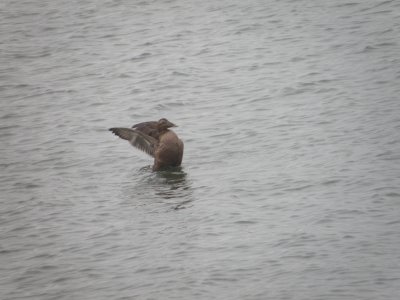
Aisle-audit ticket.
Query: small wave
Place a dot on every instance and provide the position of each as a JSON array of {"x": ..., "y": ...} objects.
[
  {"x": 9, "y": 127},
  {"x": 245, "y": 222},
  {"x": 297, "y": 59},
  {"x": 124, "y": 75},
  {"x": 347, "y": 4},
  {"x": 176, "y": 73},
  {"x": 393, "y": 195},
  {"x": 26, "y": 185},
  {"x": 10, "y": 116},
  {"x": 300, "y": 188},
  {"x": 290, "y": 91},
  {"x": 330, "y": 182},
  {"x": 387, "y": 44},
  {"x": 141, "y": 56},
  {"x": 393, "y": 222}
]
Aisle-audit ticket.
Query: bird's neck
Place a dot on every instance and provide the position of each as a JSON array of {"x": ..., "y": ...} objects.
[{"x": 163, "y": 130}]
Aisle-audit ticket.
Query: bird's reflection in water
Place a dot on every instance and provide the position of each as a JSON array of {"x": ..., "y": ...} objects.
[
  {"x": 175, "y": 186},
  {"x": 170, "y": 184}
]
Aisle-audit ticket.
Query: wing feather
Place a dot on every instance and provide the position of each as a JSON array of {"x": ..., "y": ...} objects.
[
  {"x": 150, "y": 128},
  {"x": 137, "y": 139}
]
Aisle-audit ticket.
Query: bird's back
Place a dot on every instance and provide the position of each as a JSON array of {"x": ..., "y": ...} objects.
[{"x": 150, "y": 128}]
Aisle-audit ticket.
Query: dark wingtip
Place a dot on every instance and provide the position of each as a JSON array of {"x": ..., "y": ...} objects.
[{"x": 114, "y": 131}]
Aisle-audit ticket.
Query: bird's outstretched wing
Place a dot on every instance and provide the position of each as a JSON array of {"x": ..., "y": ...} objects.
[{"x": 137, "y": 139}]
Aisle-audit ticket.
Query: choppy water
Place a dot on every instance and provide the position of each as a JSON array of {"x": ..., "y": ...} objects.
[{"x": 290, "y": 114}]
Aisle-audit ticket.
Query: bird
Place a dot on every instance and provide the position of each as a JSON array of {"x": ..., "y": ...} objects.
[{"x": 156, "y": 139}]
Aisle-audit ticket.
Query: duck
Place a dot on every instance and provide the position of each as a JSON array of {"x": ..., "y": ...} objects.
[{"x": 156, "y": 139}]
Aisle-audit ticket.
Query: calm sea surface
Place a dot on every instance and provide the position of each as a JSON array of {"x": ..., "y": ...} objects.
[{"x": 290, "y": 184}]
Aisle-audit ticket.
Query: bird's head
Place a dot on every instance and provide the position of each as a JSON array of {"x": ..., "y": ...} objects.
[{"x": 164, "y": 124}]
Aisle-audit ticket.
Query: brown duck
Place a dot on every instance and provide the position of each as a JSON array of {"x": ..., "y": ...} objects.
[{"x": 157, "y": 140}]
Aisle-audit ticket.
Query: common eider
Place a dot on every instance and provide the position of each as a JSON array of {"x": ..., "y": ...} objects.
[{"x": 157, "y": 140}]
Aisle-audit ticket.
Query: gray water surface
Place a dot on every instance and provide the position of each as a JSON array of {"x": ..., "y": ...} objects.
[{"x": 290, "y": 184}]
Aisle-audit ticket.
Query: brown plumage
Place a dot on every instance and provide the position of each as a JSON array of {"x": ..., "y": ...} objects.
[{"x": 157, "y": 140}]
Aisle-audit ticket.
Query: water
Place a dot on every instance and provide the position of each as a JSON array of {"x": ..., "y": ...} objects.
[{"x": 290, "y": 115}]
